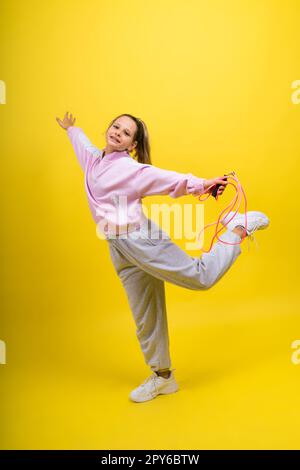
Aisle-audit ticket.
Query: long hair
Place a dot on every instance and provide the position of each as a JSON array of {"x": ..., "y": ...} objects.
[{"x": 142, "y": 149}]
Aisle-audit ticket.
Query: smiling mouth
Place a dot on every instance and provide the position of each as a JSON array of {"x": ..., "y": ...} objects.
[{"x": 115, "y": 140}]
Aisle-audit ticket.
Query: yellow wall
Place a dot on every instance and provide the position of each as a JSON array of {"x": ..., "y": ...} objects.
[{"x": 213, "y": 82}]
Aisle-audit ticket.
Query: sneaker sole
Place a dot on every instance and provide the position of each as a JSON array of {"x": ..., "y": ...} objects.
[{"x": 149, "y": 399}]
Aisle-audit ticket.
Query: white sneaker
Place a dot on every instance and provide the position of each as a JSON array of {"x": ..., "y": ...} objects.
[
  {"x": 255, "y": 221},
  {"x": 153, "y": 386}
]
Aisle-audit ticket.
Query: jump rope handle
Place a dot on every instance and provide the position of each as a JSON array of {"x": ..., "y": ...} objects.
[{"x": 215, "y": 190}]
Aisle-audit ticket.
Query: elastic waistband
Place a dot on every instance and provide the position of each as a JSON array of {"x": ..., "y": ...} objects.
[{"x": 111, "y": 230}]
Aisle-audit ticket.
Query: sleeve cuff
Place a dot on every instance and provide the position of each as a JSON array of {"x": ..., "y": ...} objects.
[{"x": 195, "y": 186}]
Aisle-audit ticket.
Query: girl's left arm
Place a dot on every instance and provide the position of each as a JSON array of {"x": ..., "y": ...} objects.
[{"x": 151, "y": 180}]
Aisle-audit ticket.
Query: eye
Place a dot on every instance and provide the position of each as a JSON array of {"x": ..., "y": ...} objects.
[{"x": 117, "y": 128}]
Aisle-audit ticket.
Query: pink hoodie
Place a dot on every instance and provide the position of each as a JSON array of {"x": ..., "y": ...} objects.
[{"x": 117, "y": 177}]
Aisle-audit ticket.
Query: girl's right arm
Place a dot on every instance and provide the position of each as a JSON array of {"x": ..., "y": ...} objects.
[{"x": 84, "y": 149}]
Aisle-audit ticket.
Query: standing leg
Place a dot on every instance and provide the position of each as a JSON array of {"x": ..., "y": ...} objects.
[{"x": 146, "y": 296}]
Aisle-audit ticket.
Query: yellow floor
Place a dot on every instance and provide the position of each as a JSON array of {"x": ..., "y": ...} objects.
[{"x": 238, "y": 385}]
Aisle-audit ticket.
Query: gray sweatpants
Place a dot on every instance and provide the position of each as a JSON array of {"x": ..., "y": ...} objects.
[{"x": 143, "y": 260}]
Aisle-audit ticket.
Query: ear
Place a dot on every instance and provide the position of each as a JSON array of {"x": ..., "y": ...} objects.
[{"x": 133, "y": 146}]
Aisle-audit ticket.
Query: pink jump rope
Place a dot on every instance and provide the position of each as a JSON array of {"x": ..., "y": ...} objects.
[{"x": 239, "y": 194}]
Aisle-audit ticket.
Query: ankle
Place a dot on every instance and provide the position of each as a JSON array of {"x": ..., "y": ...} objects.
[
  {"x": 240, "y": 230},
  {"x": 163, "y": 373}
]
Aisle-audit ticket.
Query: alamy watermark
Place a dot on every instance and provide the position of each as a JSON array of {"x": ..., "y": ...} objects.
[
  {"x": 2, "y": 352},
  {"x": 188, "y": 221},
  {"x": 296, "y": 94},
  {"x": 296, "y": 354},
  {"x": 2, "y": 92}
]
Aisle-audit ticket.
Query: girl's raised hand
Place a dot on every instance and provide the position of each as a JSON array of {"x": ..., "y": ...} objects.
[{"x": 67, "y": 121}]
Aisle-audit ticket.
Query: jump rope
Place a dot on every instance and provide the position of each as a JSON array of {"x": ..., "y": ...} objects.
[{"x": 237, "y": 199}]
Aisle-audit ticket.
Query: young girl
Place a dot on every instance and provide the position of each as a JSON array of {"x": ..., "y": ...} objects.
[{"x": 143, "y": 254}]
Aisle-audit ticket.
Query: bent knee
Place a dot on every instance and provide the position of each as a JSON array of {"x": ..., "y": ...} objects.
[{"x": 205, "y": 284}]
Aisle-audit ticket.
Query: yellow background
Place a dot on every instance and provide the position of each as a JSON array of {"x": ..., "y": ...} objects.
[{"x": 212, "y": 81}]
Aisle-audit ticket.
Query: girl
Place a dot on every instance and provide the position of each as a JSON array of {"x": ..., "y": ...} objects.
[{"x": 143, "y": 254}]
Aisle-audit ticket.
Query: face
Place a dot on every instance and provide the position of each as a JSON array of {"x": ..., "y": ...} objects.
[{"x": 119, "y": 137}]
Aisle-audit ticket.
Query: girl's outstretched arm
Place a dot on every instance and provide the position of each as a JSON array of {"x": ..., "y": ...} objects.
[
  {"x": 84, "y": 149},
  {"x": 151, "y": 180}
]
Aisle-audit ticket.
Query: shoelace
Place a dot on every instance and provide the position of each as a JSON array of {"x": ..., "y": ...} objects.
[
  {"x": 149, "y": 379},
  {"x": 153, "y": 378},
  {"x": 251, "y": 238},
  {"x": 230, "y": 208}
]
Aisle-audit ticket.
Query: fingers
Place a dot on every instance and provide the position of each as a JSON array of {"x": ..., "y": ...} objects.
[
  {"x": 70, "y": 118},
  {"x": 221, "y": 189},
  {"x": 221, "y": 180}
]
